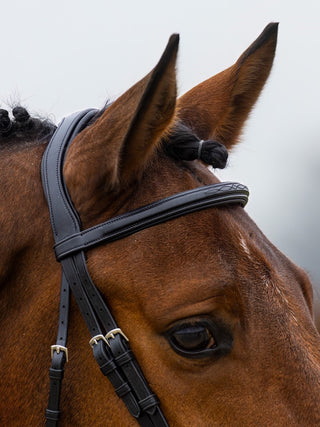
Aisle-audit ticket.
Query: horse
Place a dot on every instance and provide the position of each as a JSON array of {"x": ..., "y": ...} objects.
[{"x": 219, "y": 320}]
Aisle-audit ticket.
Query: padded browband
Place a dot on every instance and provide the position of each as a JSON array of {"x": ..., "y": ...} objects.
[{"x": 152, "y": 214}]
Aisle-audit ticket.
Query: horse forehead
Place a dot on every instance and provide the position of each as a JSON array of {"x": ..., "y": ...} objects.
[
  {"x": 187, "y": 260},
  {"x": 164, "y": 178},
  {"x": 208, "y": 259}
]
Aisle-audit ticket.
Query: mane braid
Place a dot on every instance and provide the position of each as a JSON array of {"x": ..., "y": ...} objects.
[
  {"x": 19, "y": 127},
  {"x": 180, "y": 144}
]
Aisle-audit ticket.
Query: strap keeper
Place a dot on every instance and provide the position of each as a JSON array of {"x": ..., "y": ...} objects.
[
  {"x": 52, "y": 415},
  {"x": 108, "y": 367},
  {"x": 124, "y": 358},
  {"x": 123, "y": 390},
  {"x": 149, "y": 404},
  {"x": 56, "y": 374}
]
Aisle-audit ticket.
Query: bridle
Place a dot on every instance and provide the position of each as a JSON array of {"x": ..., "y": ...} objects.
[{"x": 110, "y": 345}]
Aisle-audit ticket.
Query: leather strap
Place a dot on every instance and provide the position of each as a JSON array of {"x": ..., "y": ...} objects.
[
  {"x": 152, "y": 214},
  {"x": 59, "y": 357},
  {"x": 110, "y": 346},
  {"x": 121, "y": 368},
  {"x": 59, "y": 351}
]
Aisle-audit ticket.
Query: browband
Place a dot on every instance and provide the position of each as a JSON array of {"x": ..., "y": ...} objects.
[
  {"x": 152, "y": 214},
  {"x": 110, "y": 345}
]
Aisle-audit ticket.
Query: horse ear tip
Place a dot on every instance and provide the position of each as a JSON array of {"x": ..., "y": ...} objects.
[
  {"x": 174, "y": 39},
  {"x": 268, "y": 39},
  {"x": 271, "y": 29}
]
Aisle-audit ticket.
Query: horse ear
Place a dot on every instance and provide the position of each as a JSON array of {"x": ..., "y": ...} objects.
[
  {"x": 114, "y": 150},
  {"x": 218, "y": 107}
]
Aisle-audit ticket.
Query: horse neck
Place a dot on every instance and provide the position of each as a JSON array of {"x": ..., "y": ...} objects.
[{"x": 25, "y": 229}]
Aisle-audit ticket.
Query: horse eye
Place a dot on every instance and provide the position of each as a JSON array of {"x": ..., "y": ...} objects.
[{"x": 192, "y": 340}]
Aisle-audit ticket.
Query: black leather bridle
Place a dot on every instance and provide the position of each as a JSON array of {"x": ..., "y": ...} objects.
[{"x": 110, "y": 345}]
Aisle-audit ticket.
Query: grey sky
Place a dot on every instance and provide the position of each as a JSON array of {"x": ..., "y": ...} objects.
[{"x": 59, "y": 57}]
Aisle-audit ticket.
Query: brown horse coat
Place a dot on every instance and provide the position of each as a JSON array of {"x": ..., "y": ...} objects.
[{"x": 213, "y": 267}]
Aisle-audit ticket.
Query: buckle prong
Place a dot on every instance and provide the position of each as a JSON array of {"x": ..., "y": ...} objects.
[{"x": 59, "y": 348}]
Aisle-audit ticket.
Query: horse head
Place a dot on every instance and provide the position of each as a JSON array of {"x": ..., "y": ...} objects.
[{"x": 219, "y": 320}]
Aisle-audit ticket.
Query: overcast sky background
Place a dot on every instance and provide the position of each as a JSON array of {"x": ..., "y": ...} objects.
[{"x": 59, "y": 57}]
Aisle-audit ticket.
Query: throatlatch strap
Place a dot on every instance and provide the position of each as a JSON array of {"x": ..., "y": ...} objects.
[{"x": 110, "y": 345}]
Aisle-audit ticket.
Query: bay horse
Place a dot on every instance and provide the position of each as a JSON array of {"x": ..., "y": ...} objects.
[{"x": 219, "y": 320}]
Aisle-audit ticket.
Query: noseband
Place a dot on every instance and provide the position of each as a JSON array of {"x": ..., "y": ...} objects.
[{"x": 109, "y": 343}]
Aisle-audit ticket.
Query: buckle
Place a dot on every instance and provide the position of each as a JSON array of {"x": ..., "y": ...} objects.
[
  {"x": 94, "y": 340},
  {"x": 110, "y": 335},
  {"x": 113, "y": 332},
  {"x": 59, "y": 348}
]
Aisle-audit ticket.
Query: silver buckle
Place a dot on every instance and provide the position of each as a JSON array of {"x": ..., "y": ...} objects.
[
  {"x": 113, "y": 332},
  {"x": 110, "y": 335},
  {"x": 59, "y": 348},
  {"x": 94, "y": 340}
]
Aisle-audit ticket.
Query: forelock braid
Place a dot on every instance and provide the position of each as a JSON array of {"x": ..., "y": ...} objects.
[{"x": 183, "y": 144}]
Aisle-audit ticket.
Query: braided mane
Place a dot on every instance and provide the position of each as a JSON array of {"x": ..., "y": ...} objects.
[
  {"x": 19, "y": 127},
  {"x": 180, "y": 144}
]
